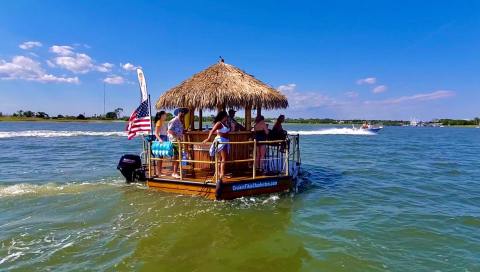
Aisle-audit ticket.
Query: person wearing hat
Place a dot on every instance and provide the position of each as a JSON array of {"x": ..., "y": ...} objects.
[
  {"x": 232, "y": 123},
  {"x": 175, "y": 135}
]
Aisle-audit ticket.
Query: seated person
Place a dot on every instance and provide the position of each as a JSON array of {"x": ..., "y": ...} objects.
[
  {"x": 232, "y": 123},
  {"x": 278, "y": 133}
]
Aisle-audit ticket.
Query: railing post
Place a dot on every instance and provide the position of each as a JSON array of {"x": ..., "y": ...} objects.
[
  {"x": 216, "y": 161},
  {"x": 287, "y": 160},
  {"x": 297, "y": 142},
  {"x": 254, "y": 158},
  {"x": 180, "y": 156},
  {"x": 149, "y": 160}
]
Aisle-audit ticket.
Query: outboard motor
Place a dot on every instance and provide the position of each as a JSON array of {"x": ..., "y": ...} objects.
[{"x": 131, "y": 168}]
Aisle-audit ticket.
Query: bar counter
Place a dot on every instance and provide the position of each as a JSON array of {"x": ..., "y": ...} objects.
[{"x": 237, "y": 152}]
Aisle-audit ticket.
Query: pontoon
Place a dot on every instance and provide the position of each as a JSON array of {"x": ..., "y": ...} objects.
[{"x": 220, "y": 87}]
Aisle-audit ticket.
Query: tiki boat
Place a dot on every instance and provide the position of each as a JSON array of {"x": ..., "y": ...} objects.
[{"x": 219, "y": 87}]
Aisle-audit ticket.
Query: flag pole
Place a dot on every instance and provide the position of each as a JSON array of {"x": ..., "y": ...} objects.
[
  {"x": 144, "y": 94},
  {"x": 150, "y": 113}
]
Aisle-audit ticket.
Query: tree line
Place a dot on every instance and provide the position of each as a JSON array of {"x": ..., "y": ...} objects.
[
  {"x": 116, "y": 114},
  {"x": 455, "y": 122}
]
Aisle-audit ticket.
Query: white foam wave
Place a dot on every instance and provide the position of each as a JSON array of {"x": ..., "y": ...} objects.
[
  {"x": 333, "y": 131},
  {"x": 52, "y": 188},
  {"x": 57, "y": 133},
  {"x": 12, "y": 257}
]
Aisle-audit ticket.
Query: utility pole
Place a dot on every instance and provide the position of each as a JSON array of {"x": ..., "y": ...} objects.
[{"x": 103, "y": 99}]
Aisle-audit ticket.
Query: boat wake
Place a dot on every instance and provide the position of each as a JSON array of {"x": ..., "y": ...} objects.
[
  {"x": 334, "y": 131},
  {"x": 47, "y": 189},
  {"x": 57, "y": 133}
]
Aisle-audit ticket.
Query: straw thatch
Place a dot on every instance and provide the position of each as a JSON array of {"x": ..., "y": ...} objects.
[{"x": 222, "y": 86}]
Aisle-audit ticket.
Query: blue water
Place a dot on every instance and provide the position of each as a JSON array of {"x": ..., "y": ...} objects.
[{"x": 405, "y": 199}]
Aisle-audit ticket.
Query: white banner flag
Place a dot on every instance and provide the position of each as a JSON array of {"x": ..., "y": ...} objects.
[{"x": 143, "y": 84}]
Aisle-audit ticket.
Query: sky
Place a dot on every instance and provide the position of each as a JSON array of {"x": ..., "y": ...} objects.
[{"x": 333, "y": 59}]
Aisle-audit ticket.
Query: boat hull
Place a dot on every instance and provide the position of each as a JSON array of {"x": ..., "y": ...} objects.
[
  {"x": 374, "y": 130},
  {"x": 225, "y": 190}
]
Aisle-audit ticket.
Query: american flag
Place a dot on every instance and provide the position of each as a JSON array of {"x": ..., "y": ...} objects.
[{"x": 139, "y": 120}]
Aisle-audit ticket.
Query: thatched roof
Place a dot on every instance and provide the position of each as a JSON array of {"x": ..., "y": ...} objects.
[{"x": 222, "y": 85}]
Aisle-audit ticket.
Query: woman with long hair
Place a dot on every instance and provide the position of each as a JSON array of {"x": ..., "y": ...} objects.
[
  {"x": 221, "y": 129},
  {"x": 161, "y": 135},
  {"x": 278, "y": 125},
  {"x": 278, "y": 133}
]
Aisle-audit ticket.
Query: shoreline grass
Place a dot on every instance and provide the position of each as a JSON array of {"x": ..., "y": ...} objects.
[{"x": 57, "y": 120}]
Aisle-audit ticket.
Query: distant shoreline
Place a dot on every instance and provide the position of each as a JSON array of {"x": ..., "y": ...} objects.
[
  {"x": 71, "y": 120},
  {"x": 59, "y": 120}
]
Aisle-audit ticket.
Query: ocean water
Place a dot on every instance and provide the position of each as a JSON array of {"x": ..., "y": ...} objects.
[{"x": 405, "y": 199}]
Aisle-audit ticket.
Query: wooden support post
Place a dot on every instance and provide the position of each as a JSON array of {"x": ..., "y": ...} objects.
[
  {"x": 259, "y": 111},
  {"x": 192, "y": 119},
  {"x": 216, "y": 161},
  {"x": 200, "y": 119},
  {"x": 248, "y": 118},
  {"x": 180, "y": 155}
]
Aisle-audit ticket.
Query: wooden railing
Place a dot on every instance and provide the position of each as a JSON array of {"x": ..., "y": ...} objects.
[{"x": 286, "y": 156}]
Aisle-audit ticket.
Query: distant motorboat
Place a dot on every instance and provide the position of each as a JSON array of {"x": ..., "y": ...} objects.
[
  {"x": 373, "y": 129},
  {"x": 369, "y": 128}
]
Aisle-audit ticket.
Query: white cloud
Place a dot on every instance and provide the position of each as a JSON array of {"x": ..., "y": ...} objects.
[
  {"x": 30, "y": 45},
  {"x": 367, "y": 80},
  {"x": 62, "y": 50},
  {"x": 128, "y": 66},
  {"x": 25, "y": 68},
  {"x": 287, "y": 88},
  {"x": 79, "y": 63},
  {"x": 303, "y": 100},
  {"x": 20, "y": 67},
  {"x": 379, "y": 89},
  {"x": 105, "y": 67},
  {"x": 51, "y": 78},
  {"x": 113, "y": 79},
  {"x": 351, "y": 94},
  {"x": 440, "y": 94},
  {"x": 349, "y": 106}
]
